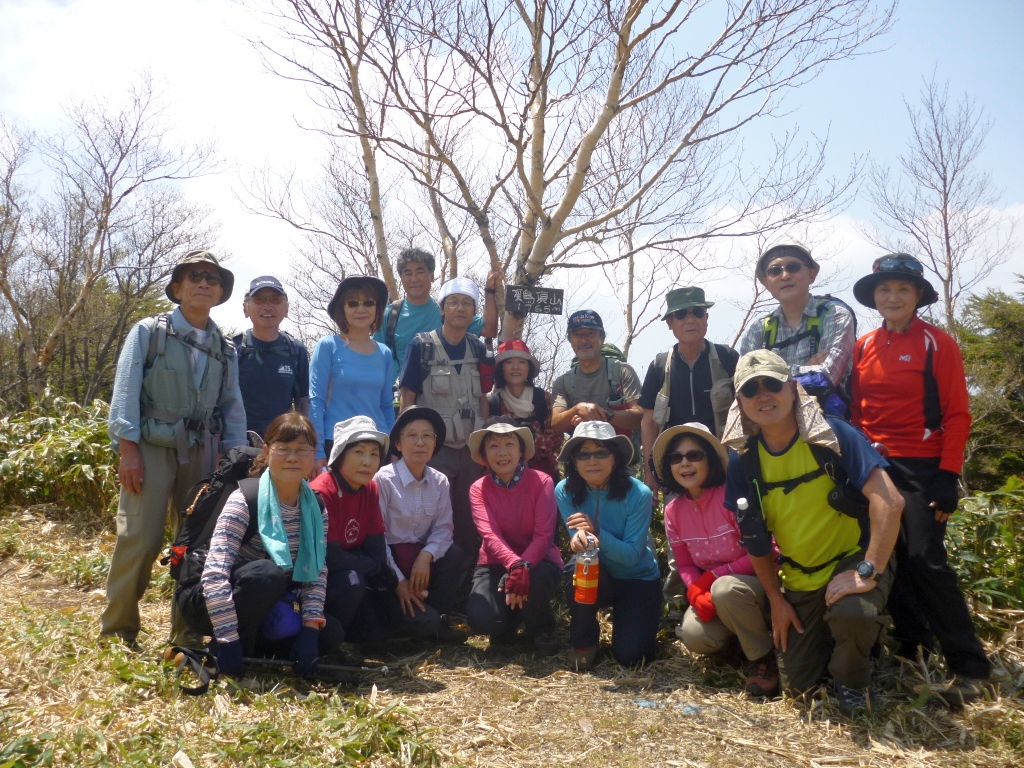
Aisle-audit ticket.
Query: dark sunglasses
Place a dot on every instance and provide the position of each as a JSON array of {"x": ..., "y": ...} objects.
[
  {"x": 211, "y": 278},
  {"x": 588, "y": 455},
  {"x": 355, "y": 304},
  {"x": 699, "y": 312},
  {"x": 691, "y": 456},
  {"x": 898, "y": 264},
  {"x": 791, "y": 268},
  {"x": 752, "y": 387}
]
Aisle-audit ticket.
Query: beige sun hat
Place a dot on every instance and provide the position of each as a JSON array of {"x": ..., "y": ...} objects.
[
  {"x": 691, "y": 428},
  {"x": 356, "y": 430},
  {"x": 601, "y": 431},
  {"x": 501, "y": 428}
]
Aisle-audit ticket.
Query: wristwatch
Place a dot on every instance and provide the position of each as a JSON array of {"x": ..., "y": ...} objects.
[
  {"x": 610, "y": 414},
  {"x": 866, "y": 569}
]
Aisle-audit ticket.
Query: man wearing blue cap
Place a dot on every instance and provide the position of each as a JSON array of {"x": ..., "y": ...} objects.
[{"x": 273, "y": 367}]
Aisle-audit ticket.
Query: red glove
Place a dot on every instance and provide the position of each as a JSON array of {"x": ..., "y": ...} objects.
[
  {"x": 704, "y": 608},
  {"x": 517, "y": 580},
  {"x": 700, "y": 586}
]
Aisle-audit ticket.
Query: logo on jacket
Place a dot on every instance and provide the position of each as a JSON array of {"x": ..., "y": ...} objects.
[{"x": 905, "y": 358}]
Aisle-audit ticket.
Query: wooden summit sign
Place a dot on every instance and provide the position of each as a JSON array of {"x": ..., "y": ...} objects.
[{"x": 525, "y": 299}]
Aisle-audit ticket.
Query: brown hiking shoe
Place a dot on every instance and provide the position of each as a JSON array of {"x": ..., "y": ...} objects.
[{"x": 763, "y": 679}]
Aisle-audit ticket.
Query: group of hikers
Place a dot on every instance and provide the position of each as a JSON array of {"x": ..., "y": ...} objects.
[{"x": 807, "y": 478}]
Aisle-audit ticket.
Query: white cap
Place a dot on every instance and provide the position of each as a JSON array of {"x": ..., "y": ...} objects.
[{"x": 460, "y": 285}]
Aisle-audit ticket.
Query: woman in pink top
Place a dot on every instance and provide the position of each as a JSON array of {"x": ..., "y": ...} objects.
[
  {"x": 519, "y": 568},
  {"x": 726, "y": 598}
]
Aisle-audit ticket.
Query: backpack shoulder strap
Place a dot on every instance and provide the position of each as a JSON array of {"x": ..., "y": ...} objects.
[
  {"x": 771, "y": 331},
  {"x": 250, "y": 488},
  {"x": 391, "y": 323},
  {"x": 540, "y": 404},
  {"x": 159, "y": 329}
]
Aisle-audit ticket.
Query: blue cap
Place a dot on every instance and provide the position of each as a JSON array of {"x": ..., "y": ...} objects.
[
  {"x": 265, "y": 281},
  {"x": 585, "y": 318}
]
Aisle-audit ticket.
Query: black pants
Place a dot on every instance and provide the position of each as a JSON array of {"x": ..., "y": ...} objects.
[
  {"x": 489, "y": 615},
  {"x": 636, "y": 615},
  {"x": 926, "y": 603},
  {"x": 256, "y": 588}
]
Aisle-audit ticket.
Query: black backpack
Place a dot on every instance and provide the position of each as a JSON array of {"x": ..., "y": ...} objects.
[{"x": 187, "y": 555}]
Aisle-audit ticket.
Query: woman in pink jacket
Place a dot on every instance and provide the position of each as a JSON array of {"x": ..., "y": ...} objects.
[{"x": 726, "y": 598}]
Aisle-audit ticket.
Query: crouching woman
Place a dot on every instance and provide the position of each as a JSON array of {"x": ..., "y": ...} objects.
[{"x": 254, "y": 573}]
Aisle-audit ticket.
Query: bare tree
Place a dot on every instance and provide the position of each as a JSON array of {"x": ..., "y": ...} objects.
[
  {"x": 557, "y": 130},
  {"x": 940, "y": 206},
  {"x": 111, "y": 221}
]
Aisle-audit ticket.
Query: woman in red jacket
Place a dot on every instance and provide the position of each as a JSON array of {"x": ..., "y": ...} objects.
[{"x": 910, "y": 394}]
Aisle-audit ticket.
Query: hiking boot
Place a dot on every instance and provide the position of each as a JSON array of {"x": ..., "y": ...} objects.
[
  {"x": 449, "y": 635},
  {"x": 853, "y": 702},
  {"x": 545, "y": 644},
  {"x": 763, "y": 678},
  {"x": 957, "y": 692},
  {"x": 582, "y": 659}
]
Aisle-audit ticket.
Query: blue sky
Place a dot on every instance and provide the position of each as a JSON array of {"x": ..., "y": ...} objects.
[{"x": 216, "y": 89}]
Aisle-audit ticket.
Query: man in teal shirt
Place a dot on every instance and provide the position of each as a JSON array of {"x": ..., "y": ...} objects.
[{"x": 419, "y": 313}]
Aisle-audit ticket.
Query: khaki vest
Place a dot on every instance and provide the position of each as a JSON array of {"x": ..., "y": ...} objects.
[
  {"x": 722, "y": 393},
  {"x": 455, "y": 396}
]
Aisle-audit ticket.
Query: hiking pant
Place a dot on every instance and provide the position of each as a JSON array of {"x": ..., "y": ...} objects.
[
  {"x": 446, "y": 573},
  {"x": 636, "y": 615},
  {"x": 141, "y": 521},
  {"x": 926, "y": 603},
  {"x": 740, "y": 605},
  {"x": 256, "y": 587},
  {"x": 838, "y": 638},
  {"x": 489, "y": 615},
  {"x": 458, "y": 466}
]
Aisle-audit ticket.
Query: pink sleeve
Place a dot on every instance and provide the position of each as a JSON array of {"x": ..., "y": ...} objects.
[
  {"x": 488, "y": 527},
  {"x": 544, "y": 514},
  {"x": 688, "y": 572}
]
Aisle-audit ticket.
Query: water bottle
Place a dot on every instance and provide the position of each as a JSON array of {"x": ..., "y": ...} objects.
[{"x": 588, "y": 569}]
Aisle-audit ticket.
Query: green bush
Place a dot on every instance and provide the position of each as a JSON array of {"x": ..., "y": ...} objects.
[
  {"x": 58, "y": 452},
  {"x": 985, "y": 547}
]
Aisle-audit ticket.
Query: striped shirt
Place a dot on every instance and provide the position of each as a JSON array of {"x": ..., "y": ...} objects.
[{"x": 227, "y": 553}]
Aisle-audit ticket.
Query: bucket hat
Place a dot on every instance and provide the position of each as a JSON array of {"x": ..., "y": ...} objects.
[
  {"x": 684, "y": 298},
  {"x": 412, "y": 413},
  {"x": 894, "y": 266},
  {"x": 515, "y": 348},
  {"x": 356, "y": 430},
  {"x": 201, "y": 256},
  {"x": 691, "y": 428},
  {"x": 601, "y": 431},
  {"x": 373, "y": 284},
  {"x": 501, "y": 428}
]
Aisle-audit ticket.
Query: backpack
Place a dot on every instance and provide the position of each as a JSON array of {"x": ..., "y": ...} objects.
[
  {"x": 722, "y": 391},
  {"x": 474, "y": 346},
  {"x": 187, "y": 555},
  {"x": 540, "y": 406},
  {"x": 845, "y": 498},
  {"x": 391, "y": 317},
  {"x": 825, "y": 393},
  {"x": 244, "y": 345}
]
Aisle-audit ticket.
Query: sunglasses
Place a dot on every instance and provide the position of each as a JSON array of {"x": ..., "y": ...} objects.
[
  {"x": 699, "y": 312},
  {"x": 588, "y": 455},
  {"x": 356, "y": 304},
  {"x": 752, "y": 387},
  {"x": 211, "y": 278},
  {"x": 791, "y": 268},
  {"x": 691, "y": 456},
  {"x": 898, "y": 264}
]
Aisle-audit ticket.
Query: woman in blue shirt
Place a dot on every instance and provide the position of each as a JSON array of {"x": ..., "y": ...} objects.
[
  {"x": 602, "y": 505},
  {"x": 350, "y": 373}
]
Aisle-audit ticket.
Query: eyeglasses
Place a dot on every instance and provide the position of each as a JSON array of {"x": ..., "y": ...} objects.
[
  {"x": 791, "y": 268},
  {"x": 752, "y": 387},
  {"x": 211, "y": 278},
  {"x": 691, "y": 456},
  {"x": 355, "y": 304},
  {"x": 301, "y": 453},
  {"x": 898, "y": 264},
  {"x": 458, "y": 303},
  {"x": 588, "y": 455},
  {"x": 426, "y": 437},
  {"x": 271, "y": 298},
  {"x": 699, "y": 312}
]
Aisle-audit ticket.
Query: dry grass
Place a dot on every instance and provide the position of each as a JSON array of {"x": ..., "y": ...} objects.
[{"x": 105, "y": 706}]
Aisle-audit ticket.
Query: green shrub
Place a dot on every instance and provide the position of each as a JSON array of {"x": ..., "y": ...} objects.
[{"x": 58, "y": 452}]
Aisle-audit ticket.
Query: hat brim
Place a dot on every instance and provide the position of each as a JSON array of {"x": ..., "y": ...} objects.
[
  {"x": 762, "y": 374},
  {"x": 665, "y": 440},
  {"x": 375, "y": 284},
  {"x": 625, "y": 447},
  {"x": 687, "y": 305},
  {"x": 515, "y": 354},
  {"x": 361, "y": 436},
  {"x": 414, "y": 413},
  {"x": 864, "y": 289},
  {"x": 803, "y": 254},
  {"x": 227, "y": 281},
  {"x": 477, "y": 437}
]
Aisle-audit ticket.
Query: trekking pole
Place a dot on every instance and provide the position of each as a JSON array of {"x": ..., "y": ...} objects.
[{"x": 341, "y": 674}]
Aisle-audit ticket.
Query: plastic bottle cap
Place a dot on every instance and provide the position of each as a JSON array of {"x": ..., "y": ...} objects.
[{"x": 742, "y": 503}]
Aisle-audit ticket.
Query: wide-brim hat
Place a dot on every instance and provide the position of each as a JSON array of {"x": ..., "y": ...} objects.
[
  {"x": 366, "y": 282},
  {"x": 601, "y": 431},
  {"x": 515, "y": 348},
  {"x": 694, "y": 428},
  {"x": 358, "y": 429},
  {"x": 758, "y": 363},
  {"x": 894, "y": 266},
  {"x": 202, "y": 256},
  {"x": 785, "y": 247},
  {"x": 413, "y": 413},
  {"x": 684, "y": 298},
  {"x": 477, "y": 437}
]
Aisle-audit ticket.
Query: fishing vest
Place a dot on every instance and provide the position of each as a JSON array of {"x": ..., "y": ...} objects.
[
  {"x": 722, "y": 393},
  {"x": 175, "y": 412},
  {"x": 455, "y": 396}
]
